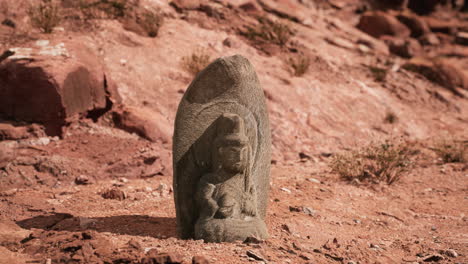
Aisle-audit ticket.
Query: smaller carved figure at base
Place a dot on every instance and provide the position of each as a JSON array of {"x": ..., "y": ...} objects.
[{"x": 226, "y": 197}]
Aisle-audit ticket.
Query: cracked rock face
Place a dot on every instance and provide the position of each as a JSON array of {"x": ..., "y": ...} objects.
[{"x": 43, "y": 86}]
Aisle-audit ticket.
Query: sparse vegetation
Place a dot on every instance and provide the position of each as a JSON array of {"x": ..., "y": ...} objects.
[
  {"x": 390, "y": 117},
  {"x": 452, "y": 150},
  {"x": 45, "y": 15},
  {"x": 379, "y": 74},
  {"x": 384, "y": 162},
  {"x": 106, "y": 9},
  {"x": 270, "y": 31},
  {"x": 196, "y": 62},
  {"x": 298, "y": 64},
  {"x": 150, "y": 22}
]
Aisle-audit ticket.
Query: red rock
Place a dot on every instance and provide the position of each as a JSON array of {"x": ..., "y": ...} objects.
[
  {"x": 143, "y": 122},
  {"x": 52, "y": 84},
  {"x": 442, "y": 72},
  {"x": 200, "y": 260},
  {"x": 376, "y": 45},
  {"x": 82, "y": 180},
  {"x": 429, "y": 39},
  {"x": 379, "y": 23},
  {"x": 290, "y": 9},
  {"x": 452, "y": 75},
  {"x": 406, "y": 48},
  {"x": 10, "y": 132},
  {"x": 442, "y": 26},
  {"x": 186, "y": 4},
  {"x": 417, "y": 25},
  {"x": 231, "y": 43},
  {"x": 152, "y": 257},
  {"x": 115, "y": 194},
  {"x": 7, "y": 154},
  {"x": 251, "y": 8}
]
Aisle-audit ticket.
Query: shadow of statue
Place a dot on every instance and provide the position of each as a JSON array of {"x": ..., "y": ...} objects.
[{"x": 135, "y": 225}]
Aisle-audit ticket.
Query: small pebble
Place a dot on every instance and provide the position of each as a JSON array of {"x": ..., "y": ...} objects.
[
  {"x": 451, "y": 253},
  {"x": 313, "y": 180}
]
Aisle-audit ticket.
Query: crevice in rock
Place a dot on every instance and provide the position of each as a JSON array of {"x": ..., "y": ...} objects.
[{"x": 96, "y": 113}]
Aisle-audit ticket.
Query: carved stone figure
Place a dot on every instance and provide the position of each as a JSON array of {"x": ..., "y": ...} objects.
[{"x": 222, "y": 154}]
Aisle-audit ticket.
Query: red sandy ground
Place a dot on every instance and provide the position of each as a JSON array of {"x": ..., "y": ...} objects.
[{"x": 337, "y": 105}]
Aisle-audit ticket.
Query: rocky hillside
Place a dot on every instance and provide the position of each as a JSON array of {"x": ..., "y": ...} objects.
[{"x": 88, "y": 95}]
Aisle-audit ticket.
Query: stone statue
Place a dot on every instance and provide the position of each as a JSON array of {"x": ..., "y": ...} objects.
[{"x": 222, "y": 154}]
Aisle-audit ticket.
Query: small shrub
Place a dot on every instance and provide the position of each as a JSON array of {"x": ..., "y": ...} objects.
[
  {"x": 270, "y": 31},
  {"x": 390, "y": 117},
  {"x": 379, "y": 74},
  {"x": 196, "y": 62},
  {"x": 451, "y": 150},
  {"x": 385, "y": 162},
  {"x": 150, "y": 22},
  {"x": 45, "y": 15},
  {"x": 111, "y": 9},
  {"x": 299, "y": 65}
]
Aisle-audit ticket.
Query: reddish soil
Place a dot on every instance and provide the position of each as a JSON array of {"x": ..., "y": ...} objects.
[{"x": 52, "y": 208}]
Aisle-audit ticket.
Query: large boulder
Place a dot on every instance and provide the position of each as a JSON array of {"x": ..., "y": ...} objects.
[
  {"x": 52, "y": 84},
  {"x": 417, "y": 25},
  {"x": 144, "y": 122},
  {"x": 442, "y": 72},
  {"x": 379, "y": 24},
  {"x": 406, "y": 48}
]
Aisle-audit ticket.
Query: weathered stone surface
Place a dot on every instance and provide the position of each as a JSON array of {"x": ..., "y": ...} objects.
[
  {"x": 289, "y": 9},
  {"x": 45, "y": 84},
  {"x": 417, "y": 25},
  {"x": 429, "y": 39},
  {"x": 10, "y": 132},
  {"x": 200, "y": 260},
  {"x": 143, "y": 122},
  {"x": 11, "y": 234},
  {"x": 440, "y": 25},
  {"x": 187, "y": 4},
  {"x": 7, "y": 154},
  {"x": 441, "y": 72},
  {"x": 114, "y": 194},
  {"x": 251, "y": 7},
  {"x": 379, "y": 23},
  {"x": 221, "y": 154},
  {"x": 153, "y": 257},
  {"x": 406, "y": 48}
]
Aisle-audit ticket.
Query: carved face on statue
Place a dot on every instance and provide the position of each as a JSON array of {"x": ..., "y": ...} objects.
[
  {"x": 231, "y": 152},
  {"x": 233, "y": 155}
]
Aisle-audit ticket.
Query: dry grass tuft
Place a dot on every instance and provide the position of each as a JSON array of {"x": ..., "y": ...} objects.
[
  {"x": 379, "y": 74},
  {"x": 384, "y": 162},
  {"x": 270, "y": 32},
  {"x": 390, "y": 118},
  {"x": 106, "y": 9},
  {"x": 150, "y": 22},
  {"x": 298, "y": 65},
  {"x": 452, "y": 150},
  {"x": 45, "y": 15},
  {"x": 196, "y": 62}
]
